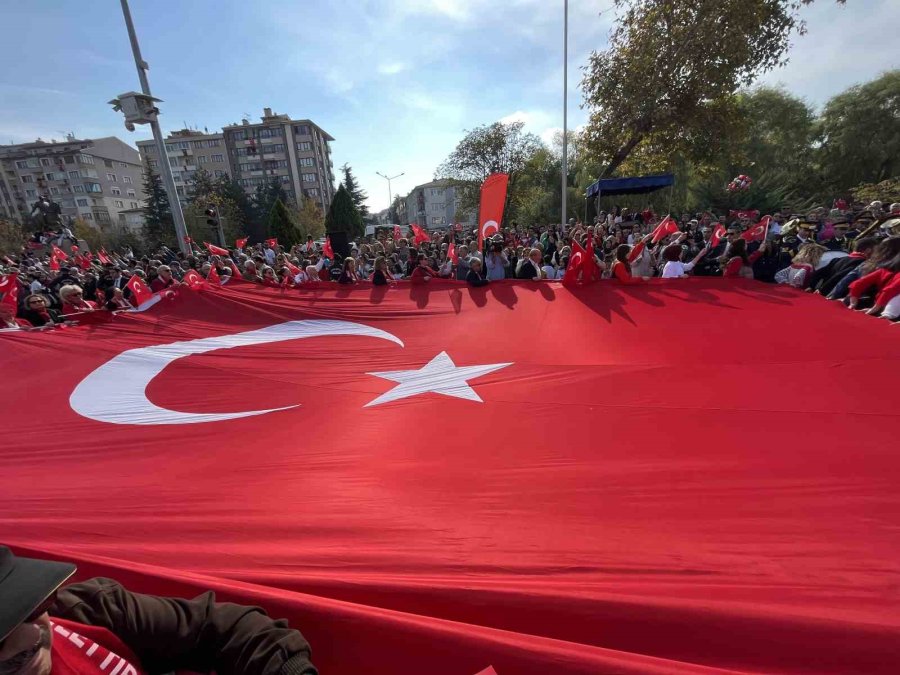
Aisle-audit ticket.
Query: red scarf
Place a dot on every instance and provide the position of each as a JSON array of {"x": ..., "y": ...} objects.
[{"x": 88, "y": 650}]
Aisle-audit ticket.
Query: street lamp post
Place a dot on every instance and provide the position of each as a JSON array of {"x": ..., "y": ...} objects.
[
  {"x": 390, "y": 194},
  {"x": 565, "y": 143},
  {"x": 168, "y": 181}
]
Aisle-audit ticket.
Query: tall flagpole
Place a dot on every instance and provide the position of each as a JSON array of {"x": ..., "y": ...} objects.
[{"x": 565, "y": 143}]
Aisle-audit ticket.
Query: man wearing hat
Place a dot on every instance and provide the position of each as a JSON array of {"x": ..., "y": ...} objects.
[
  {"x": 839, "y": 240},
  {"x": 99, "y": 627}
]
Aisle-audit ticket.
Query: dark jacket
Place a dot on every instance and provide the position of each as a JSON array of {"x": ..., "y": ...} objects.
[
  {"x": 826, "y": 278},
  {"x": 473, "y": 278},
  {"x": 36, "y": 319},
  {"x": 528, "y": 270},
  {"x": 201, "y": 635}
]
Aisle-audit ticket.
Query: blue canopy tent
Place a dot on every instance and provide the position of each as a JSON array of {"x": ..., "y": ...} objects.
[{"x": 630, "y": 186}]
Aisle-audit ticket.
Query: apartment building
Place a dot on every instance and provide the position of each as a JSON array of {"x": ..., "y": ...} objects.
[
  {"x": 91, "y": 179},
  {"x": 188, "y": 151},
  {"x": 435, "y": 205},
  {"x": 295, "y": 152}
]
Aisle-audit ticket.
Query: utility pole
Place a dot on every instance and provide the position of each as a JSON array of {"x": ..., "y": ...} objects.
[
  {"x": 565, "y": 143},
  {"x": 165, "y": 169},
  {"x": 390, "y": 194}
]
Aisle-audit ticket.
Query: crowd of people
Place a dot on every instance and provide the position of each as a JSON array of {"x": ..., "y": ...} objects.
[{"x": 847, "y": 255}]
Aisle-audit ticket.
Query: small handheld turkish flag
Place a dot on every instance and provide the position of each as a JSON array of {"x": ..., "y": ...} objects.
[
  {"x": 59, "y": 253},
  {"x": 272, "y": 243},
  {"x": 213, "y": 276},
  {"x": 216, "y": 250},
  {"x": 451, "y": 253},
  {"x": 193, "y": 280},
  {"x": 327, "y": 251},
  {"x": 292, "y": 268},
  {"x": 666, "y": 227},
  {"x": 717, "y": 235},
  {"x": 420, "y": 234},
  {"x": 241, "y": 243},
  {"x": 102, "y": 257},
  {"x": 757, "y": 232},
  {"x": 54, "y": 263},
  {"x": 140, "y": 291}
]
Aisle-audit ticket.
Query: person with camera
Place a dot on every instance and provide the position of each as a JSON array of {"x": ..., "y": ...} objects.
[{"x": 496, "y": 261}]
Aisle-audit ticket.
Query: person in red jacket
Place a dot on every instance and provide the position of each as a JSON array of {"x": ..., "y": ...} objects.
[
  {"x": 739, "y": 264},
  {"x": 625, "y": 255},
  {"x": 97, "y": 626},
  {"x": 422, "y": 273},
  {"x": 885, "y": 281},
  {"x": 73, "y": 302}
]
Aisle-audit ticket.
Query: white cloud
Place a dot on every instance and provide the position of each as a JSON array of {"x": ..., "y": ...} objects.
[{"x": 392, "y": 67}]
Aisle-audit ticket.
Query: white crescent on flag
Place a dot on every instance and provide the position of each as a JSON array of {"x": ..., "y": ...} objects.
[
  {"x": 116, "y": 392},
  {"x": 489, "y": 228}
]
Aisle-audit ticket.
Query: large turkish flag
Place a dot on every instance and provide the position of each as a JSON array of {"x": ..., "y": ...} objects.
[{"x": 442, "y": 479}]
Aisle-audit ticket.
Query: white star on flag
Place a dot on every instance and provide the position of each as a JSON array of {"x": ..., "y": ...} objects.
[{"x": 440, "y": 375}]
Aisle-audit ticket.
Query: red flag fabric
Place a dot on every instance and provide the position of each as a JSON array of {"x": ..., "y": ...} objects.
[
  {"x": 241, "y": 243},
  {"x": 717, "y": 235},
  {"x": 140, "y": 291},
  {"x": 236, "y": 273},
  {"x": 420, "y": 235},
  {"x": 758, "y": 231},
  {"x": 660, "y": 533},
  {"x": 85, "y": 261},
  {"x": 327, "y": 251},
  {"x": 193, "y": 280},
  {"x": 7, "y": 282},
  {"x": 748, "y": 214},
  {"x": 590, "y": 269},
  {"x": 54, "y": 263},
  {"x": 573, "y": 271},
  {"x": 215, "y": 250},
  {"x": 58, "y": 252},
  {"x": 272, "y": 243},
  {"x": 397, "y": 235},
  {"x": 9, "y": 289},
  {"x": 490, "y": 212},
  {"x": 451, "y": 252},
  {"x": 292, "y": 268},
  {"x": 666, "y": 227},
  {"x": 213, "y": 276},
  {"x": 102, "y": 257}
]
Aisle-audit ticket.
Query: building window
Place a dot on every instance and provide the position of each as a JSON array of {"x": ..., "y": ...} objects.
[
  {"x": 305, "y": 146},
  {"x": 276, "y": 163},
  {"x": 22, "y": 164},
  {"x": 312, "y": 192},
  {"x": 307, "y": 161},
  {"x": 103, "y": 216},
  {"x": 30, "y": 193},
  {"x": 278, "y": 147},
  {"x": 54, "y": 191},
  {"x": 78, "y": 188},
  {"x": 173, "y": 161},
  {"x": 437, "y": 192},
  {"x": 107, "y": 163},
  {"x": 28, "y": 178},
  {"x": 74, "y": 174},
  {"x": 302, "y": 130},
  {"x": 116, "y": 191},
  {"x": 111, "y": 177},
  {"x": 219, "y": 173},
  {"x": 176, "y": 175},
  {"x": 212, "y": 143},
  {"x": 86, "y": 216},
  {"x": 437, "y": 207},
  {"x": 92, "y": 187},
  {"x": 202, "y": 159},
  {"x": 123, "y": 165},
  {"x": 82, "y": 202},
  {"x": 437, "y": 220},
  {"x": 56, "y": 176},
  {"x": 218, "y": 158},
  {"x": 126, "y": 179},
  {"x": 196, "y": 144},
  {"x": 45, "y": 161},
  {"x": 119, "y": 203},
  {"x": 154, "y": 164},
  {"x": 275, "y": 132},
  {"x": 179, "y": 189},
  {"x": 309, "y": 178},
  {"x": 170, "y": 148},
  {"x": 285, "y": 180},
  {"x": 85, "y": 159},
  {"x": 134, "y": 205},
  {"x": 70, "y": 159},
  {"x": 240, "y": 135},
  {"x": 251, "y": 166},
  {"x": 131, "y": 193}
]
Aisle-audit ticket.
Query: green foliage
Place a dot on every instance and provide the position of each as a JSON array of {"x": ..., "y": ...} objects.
[
  {"x": 84, "y": 232},
  {"x": 263, "y": 200},
  {"x": 487, "y": 149},
  {"x": 159, "y": 228},
  {"x": 283, "y": 226},
  {"x": 656, "y": 82},
  {"x": 12, "y": 237},
  {"x": 358, "y": 195},
  {"x": 230, "y": 189},
  {"x": 886, "y": 192},
  {"x": 768, "y": 193},
  {"x": 394, "y": 213},
  {"x": 860, "y": 133},
  {"x": 343, "y": 215},
  {"x": 310, "y": 219},
  {"x": 200, "y": 185}
]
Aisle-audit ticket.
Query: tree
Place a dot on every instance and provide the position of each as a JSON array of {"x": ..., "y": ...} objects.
[
  {"x": 263, "y": 201},
  {"x": 343, "y": 216},
  {"x": 283, "y": 226},
  {"x": 91, "y": 235},
  {"x": 887, "y": 192},
  {"x": 357, "y": 194},
  {"x": 310, "y": 219},
  {"x": 230, "y": 189},
  {"x": 159, "y": 228},
  {"x": 487, "y": 149},
  {"x": 200, "y": 185},
  {"x": 395, "y": 210},
  {"x": 12, "y": 237},
  {"x": 860, "y": 134},
  {"x": 656, "y": 81}
]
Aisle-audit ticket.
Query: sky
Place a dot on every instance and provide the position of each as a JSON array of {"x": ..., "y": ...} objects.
[{"x": 395, "y": 82}]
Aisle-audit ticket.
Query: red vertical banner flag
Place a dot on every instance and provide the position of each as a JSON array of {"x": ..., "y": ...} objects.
[
  {"x": 490, "y": 212},
  {"x": 757, "y": 232},
  {"x": 140, "y": 291}
]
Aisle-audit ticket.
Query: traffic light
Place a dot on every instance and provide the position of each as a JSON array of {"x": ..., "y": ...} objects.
[{"x": 212, "y": 218}]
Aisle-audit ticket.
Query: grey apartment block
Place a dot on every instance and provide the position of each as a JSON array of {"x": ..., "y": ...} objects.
[
  {"x": 435, "y": 205},
  {"x": 92, "y": 179},
  {"x": 295, "y": 152},
  {"x": 188, "y": 151}
]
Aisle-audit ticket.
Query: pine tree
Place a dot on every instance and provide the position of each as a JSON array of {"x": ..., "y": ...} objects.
[
  {"x": 310, "y": 219},
  {"x": 159, "y": 227},
  {"x": 200, "y": 186},
  {"x": 357, "y": 194},
  {"x": 283, "y": 226},
  {"x": 230, "y": 189},
  {"x": 343, "y": 215},
  {"x": 263, "y": 202}
]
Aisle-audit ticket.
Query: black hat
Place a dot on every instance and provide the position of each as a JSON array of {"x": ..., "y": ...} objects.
[{"x": 24, "y": 584}]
